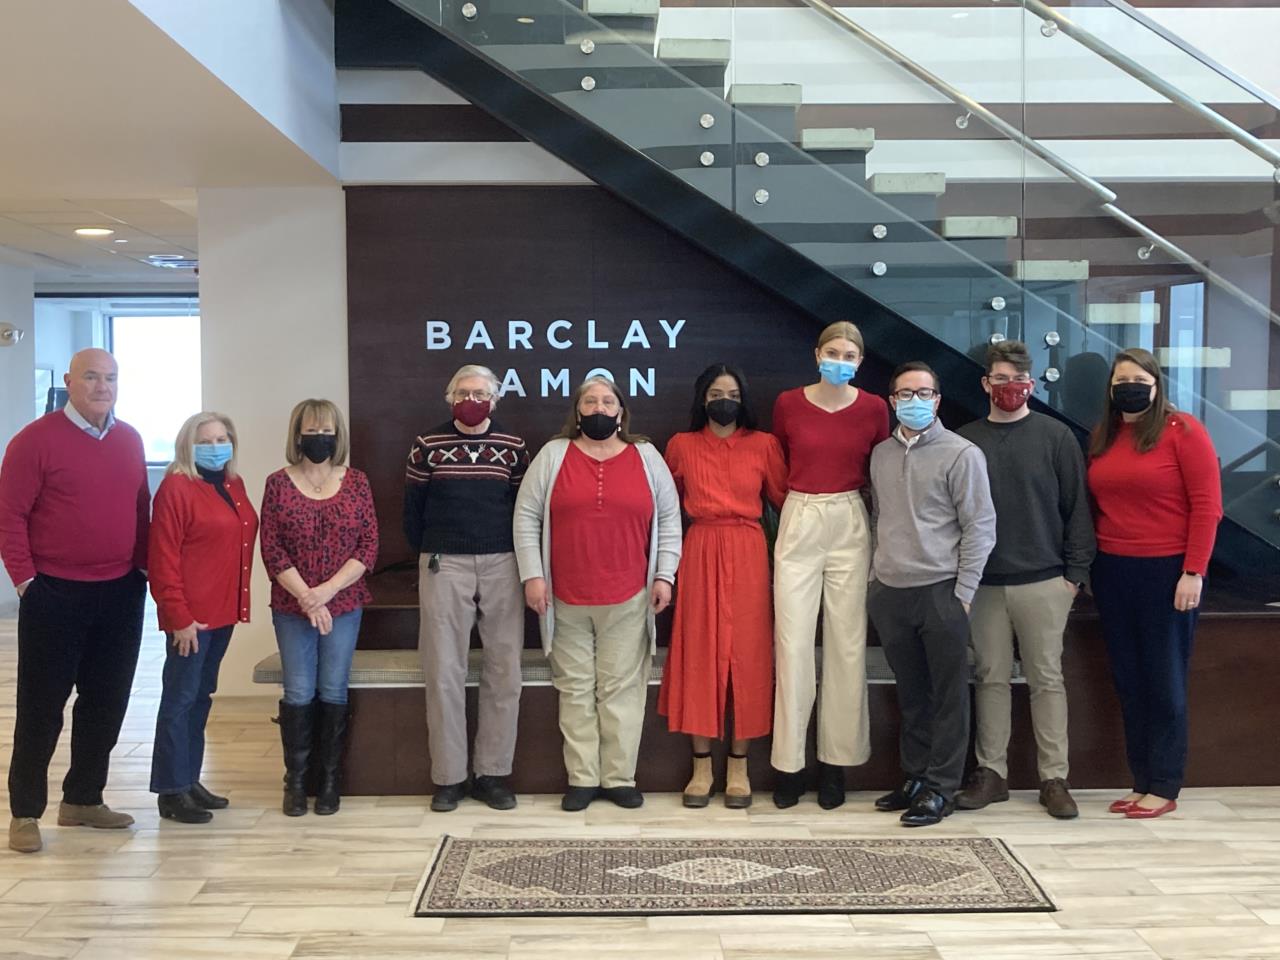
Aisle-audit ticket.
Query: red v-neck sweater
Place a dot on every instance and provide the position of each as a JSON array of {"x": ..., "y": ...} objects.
[{"x": 73, "y": 506}]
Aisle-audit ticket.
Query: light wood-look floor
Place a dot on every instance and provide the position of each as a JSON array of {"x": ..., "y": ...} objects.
[{"x": 1203, "y": 883}]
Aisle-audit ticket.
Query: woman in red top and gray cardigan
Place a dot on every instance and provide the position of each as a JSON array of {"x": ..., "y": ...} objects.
[
  {"x": 597, "y": 537},
  {"x": 202, "y": 534},
  {"x": 1153, "y": 476}
]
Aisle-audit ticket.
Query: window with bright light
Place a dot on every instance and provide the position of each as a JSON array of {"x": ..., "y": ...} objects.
[{"x": 159, "y": 360}]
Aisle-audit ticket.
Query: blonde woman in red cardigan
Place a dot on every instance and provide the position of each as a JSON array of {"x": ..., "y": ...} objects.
[
  {"x": 1157, "y": 497},
  {"x": 201, "y": 554}
]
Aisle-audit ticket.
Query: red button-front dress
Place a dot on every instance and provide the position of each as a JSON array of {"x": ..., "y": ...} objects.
[{"x": 723, "y": 629}]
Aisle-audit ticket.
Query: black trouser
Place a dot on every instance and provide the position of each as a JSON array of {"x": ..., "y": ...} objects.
[
  {"x": 82, "y": 634},
  {"x": 1149, "y": 646},
  {"x": 925, "y": 635}
]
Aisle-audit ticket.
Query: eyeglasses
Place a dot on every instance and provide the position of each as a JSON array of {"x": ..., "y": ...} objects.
[
  {"x": 1000, "y": 379},
  {"x": 484, "y": 396},
  {"x": 924, "y": 393}
]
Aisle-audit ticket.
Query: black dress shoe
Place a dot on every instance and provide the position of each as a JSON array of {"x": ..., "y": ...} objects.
[
  {"x": 182, "y": 807},
  {"x": 578, "y": 798},
  {"x": 830, "y": 786},
  {"x": 900, "y": 798},
  {"x": 788, "y": 788},
  {"x": 628, "y": 797},
  {"x": 928, "y": 808},
  {"x": 447, "y": 796},
  {"x": 494, "y": 792},
  {"x": 210, "y": 801}
]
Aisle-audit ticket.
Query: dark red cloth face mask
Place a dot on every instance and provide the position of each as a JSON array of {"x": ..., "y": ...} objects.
[
  {"x": 470, "y": 412},
  {"x": 1011, "y": 396}
]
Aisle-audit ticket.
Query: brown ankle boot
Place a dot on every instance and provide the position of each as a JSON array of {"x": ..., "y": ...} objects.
[
  {"x": 698, "y": 792},
  {"x": 737, "y": 788}
]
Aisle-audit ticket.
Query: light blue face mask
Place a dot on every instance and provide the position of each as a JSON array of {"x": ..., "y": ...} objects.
[
  {"x": 837, "y": 372},
  {"x": 915, "y": 414},
  {"x": 212, "y": 456}
]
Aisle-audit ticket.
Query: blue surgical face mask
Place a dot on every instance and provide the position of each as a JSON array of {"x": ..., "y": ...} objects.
[
  {"x": 212, "y": 456},
  {"x": 837, "y": 372},
  {"x": 915, "y": 414}
]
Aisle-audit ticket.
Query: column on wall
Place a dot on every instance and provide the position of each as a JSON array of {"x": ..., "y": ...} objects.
[
  {"x": 17, "y": 375},
  {"x": 273, "y": 307}
]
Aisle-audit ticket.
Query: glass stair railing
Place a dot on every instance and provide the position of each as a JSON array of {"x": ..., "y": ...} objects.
[{"x": 912, "y": 153}]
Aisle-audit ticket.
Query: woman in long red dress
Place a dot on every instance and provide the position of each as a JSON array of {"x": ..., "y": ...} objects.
[{"x": 722, "y": 638}]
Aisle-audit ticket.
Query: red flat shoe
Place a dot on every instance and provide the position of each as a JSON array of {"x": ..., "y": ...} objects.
[
  {"x": 1120, "y": 806},
  {"x": 1136, "y": 812}
]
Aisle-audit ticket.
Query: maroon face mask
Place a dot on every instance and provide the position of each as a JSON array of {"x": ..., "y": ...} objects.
[
  {"x": 1011, "y": 396},
  {"x": 470, "y": 412}
]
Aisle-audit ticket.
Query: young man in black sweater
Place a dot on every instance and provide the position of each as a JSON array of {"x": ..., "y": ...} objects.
[
  {"x": 460, "y": 489},
  {"x": 1044, "y": 548}
]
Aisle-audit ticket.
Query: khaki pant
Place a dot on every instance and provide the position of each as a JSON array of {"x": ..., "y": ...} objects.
[
  {"x": 600, "y": 665},
  {"x": 481, "y": 590},
  {"x": 822, "y": 558},
  {"x": 1037, "y": 614}
]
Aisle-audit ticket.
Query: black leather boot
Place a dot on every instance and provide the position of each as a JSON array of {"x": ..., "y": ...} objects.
[
  {"x": 331, "y": 739},
  {"x": 182, "y": 807},
  {"x": 297, "y": 723}
]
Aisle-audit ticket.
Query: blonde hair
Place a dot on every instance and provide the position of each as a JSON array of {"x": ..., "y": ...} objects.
[
  {"x": 319, "y": 411},
  {"x": 184, "y": 447},
  {"x": 842, "y": 330},
  {"x": 472, "y": 370},
  {"x": 572, "y": 429}
]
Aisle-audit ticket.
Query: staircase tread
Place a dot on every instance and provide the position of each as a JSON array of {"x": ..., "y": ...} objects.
[
  {"x": 918, "y": 184},
  {"x": 815, "y": 139},
  {"x": 1051, "y": 269},
  {"x": 622, "y": 8},
  {"x": 693, "y": 50},
  {"x": 765, "y": 94},
  {"x": 979, "y": 227}
]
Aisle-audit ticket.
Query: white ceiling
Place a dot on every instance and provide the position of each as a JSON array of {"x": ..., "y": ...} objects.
[{"x": 108, "y": 122}]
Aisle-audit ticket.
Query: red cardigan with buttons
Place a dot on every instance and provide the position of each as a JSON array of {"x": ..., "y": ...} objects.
[{"x": 201, "y": 553}]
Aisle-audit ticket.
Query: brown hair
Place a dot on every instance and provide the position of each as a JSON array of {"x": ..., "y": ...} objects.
[
  {"x": 1009, "y": 351},
  {"x": 914, "y": 366},
  {"x": 572, "y": 429},
  {"x": 1148, "y": 427},
  {"x": 842, "y": 330},
  {"x": 319, "y": 411}
]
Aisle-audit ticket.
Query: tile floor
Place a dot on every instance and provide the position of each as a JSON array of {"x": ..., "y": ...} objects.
[{"x": 1203, "y": 884}]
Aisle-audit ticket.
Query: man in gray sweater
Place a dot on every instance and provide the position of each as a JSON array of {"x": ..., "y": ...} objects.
[{"x": 934, "y": 527}]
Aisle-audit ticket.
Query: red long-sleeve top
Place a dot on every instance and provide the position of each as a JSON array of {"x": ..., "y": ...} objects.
[
  {"x": 316, "y": 537},
  {"x": 201, "y": 552},
  {"x": 1161, "y": 503},
  {"x": 71, "y": 505},
  {"x": 828, "y": 452}
]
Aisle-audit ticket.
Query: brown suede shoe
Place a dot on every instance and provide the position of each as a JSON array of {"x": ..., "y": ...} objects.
[
  {"x": 97, "y": 815},
  {"x": 1055, "y": 796},
  {"x": 24, "y": 835},
  {"x": 984, "y": 786}
]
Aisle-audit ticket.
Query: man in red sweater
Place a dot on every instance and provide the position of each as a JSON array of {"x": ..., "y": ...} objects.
[{"x": 74, "y": 511}]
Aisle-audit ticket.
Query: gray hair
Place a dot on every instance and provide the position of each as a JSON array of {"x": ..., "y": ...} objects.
[{"x": 472, "y": 370}]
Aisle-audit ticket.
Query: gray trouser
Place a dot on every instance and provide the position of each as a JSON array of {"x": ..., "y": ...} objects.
[
  {"x": 482, "y": 590},
  {"x": 600, "y": 666},
  {"x": 1037, "y": 614},
  {"x": 925, "y": 636}
]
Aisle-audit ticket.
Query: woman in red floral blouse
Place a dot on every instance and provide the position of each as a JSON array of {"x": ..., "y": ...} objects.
[{"x": 319, "y": 536}]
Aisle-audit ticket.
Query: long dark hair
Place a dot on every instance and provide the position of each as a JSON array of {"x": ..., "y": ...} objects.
[
  {"x": 1147, "y": 428},
  {"x": 572, "y": 429},
  {"x": 698, "y": 415}
]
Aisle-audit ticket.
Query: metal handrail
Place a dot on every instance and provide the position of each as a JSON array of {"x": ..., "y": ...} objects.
[
  {"x": 1035, "y": 147},
  {"x": 1156, "y": 83},
  {"x": 1195, "y": 53}
]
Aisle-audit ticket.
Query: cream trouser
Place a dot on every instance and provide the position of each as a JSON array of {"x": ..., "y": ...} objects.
[
  {"x": 822, "y": 558},
  {"x": 600, "y": 665},
  {"x": 1037, "y": 614}
]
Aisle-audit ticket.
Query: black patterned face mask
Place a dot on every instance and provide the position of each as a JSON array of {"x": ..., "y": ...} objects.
[{"x": 318, "y": 447}]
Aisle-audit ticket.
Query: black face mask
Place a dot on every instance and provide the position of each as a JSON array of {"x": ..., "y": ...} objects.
[
  {"x": 1131, "y": 397},
  {"x": 318, "y": 447},
  {"x": 598, "y": 426},
  {"x": 724, "y": 411}
]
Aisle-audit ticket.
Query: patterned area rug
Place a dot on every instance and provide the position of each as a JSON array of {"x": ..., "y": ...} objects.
[{"x": 642, "y": 877}]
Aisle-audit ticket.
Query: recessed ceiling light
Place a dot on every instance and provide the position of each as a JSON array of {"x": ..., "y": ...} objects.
[
  {"x": 524, "y": 19},
  {"x": 94, "y": 232},
  {"x": 118, "y": 240}
]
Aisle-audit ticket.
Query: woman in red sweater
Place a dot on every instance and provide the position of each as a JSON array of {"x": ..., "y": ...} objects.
[
  {"x": 1153, "y": 476},
  {"x": 201, "y": 551},
  {"x": 821, "y": 559}
]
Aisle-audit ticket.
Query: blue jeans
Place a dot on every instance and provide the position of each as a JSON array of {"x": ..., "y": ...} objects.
[
  {"x": 314, "y": 664},
  {"x": 186, "y": 697}
]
